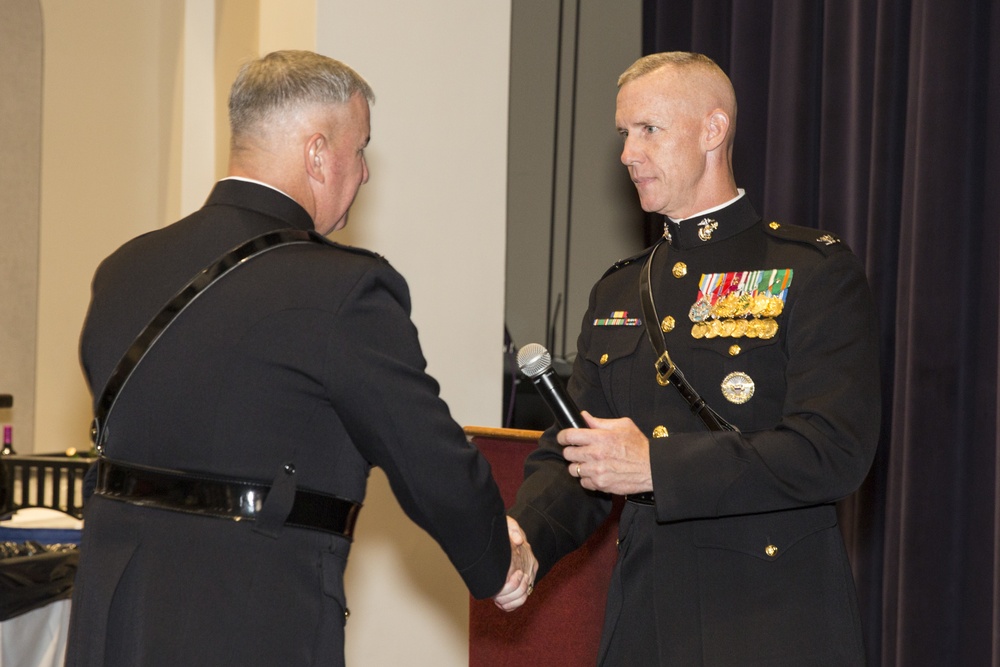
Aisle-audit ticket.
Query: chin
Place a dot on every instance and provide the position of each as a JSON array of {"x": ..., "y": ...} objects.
[
  {"x": 333, "y": 227},
  {"x": 650, "y": 207}
]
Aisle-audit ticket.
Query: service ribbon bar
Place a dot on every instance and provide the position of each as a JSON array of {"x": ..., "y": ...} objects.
[{"x": 619, "y": 318}]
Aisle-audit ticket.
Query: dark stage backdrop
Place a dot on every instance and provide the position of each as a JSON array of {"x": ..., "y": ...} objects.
[{"x": 879, "y": 120}]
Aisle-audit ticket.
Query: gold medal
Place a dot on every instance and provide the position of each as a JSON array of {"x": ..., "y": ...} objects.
[
  {"x": 768, "y": 328},
  {"x": 743, "y": 305},
  {"x": 759, "y": 305},
  {"x": 728, "y": 326},
  {"x": 699, "y": 329},
  {"x": 729, "y": 305},
  {"x": 740, "y": 329}
]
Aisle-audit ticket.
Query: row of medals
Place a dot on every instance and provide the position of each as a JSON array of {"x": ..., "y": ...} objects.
[{"x": 736, "y": 316}]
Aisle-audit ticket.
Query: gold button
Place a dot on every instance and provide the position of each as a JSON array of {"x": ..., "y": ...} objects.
[
  {"x": 774, "y": 225},
  {"x": 734, "y": 350},
  {"x": 680, "y": 270},
  {"x": 604, "y": 359},
  {"x": 771, "y": 550},
  {"x": 667, "y": 324},
  {"x": 660, "y": 432}
]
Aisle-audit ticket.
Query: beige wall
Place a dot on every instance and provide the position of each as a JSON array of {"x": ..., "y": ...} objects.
[
  {"x": 436, "y": 208},
  {"x": 20, "y": 183},
  {"x": 132, "y": 138},
  {"x": 109, "y": 172}
]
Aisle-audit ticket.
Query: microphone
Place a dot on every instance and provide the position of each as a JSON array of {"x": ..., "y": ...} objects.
[{"x": 536, "y": 364}]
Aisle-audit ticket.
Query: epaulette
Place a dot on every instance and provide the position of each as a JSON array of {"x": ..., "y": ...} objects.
[
  {"x": 823, "y": 241},
  {"x": 356, "y": 250},
  {"x": 621, "y": 263}
]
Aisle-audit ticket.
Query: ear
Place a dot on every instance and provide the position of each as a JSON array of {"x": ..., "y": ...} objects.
[
  {"x": 314, "y": 154},
  {"x": 716, "y": 129}
]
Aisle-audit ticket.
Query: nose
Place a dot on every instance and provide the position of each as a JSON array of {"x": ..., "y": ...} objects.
[{"x": 629, "y": 155}]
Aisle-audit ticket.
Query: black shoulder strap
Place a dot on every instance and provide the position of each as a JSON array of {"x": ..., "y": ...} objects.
[
  {"x": 666, "y": 370},
  {"x": 145, "y": 340}
]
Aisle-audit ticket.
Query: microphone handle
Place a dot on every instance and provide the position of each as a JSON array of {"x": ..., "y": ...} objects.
[{"x": 566, "y": 413}]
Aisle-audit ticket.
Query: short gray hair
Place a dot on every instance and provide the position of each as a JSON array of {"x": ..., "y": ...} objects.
[{"x": 284, "y": 80}]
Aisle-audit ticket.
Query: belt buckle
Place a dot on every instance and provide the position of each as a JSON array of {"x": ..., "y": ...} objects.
[
  {"x": 646, "y": 498},
  {"x": 664, "y": 368}
]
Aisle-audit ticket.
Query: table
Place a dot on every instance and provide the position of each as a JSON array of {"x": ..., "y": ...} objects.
[{"x": 38, "y": 638}]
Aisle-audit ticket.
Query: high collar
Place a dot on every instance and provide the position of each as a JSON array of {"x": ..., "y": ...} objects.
[
  {"x": 262, "y": 199},
  {"x": 712, "y": 227}
]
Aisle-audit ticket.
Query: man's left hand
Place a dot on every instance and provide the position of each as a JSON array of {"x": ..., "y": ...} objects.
[{"x": 611, "y": 456}]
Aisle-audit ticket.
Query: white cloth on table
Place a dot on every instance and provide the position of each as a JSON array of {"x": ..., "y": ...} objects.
[{"x": 37, "y": 638}]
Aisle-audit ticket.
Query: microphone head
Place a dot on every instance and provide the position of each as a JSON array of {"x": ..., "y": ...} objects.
[{"x": 533, "y": 360}]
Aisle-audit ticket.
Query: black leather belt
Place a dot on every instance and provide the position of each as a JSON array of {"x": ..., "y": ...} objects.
[
  {"x": 228, "y": 499},
  {"x": 641, "y": 498}
]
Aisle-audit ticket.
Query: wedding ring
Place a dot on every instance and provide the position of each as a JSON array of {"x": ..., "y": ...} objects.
[
  {"x": 531, "y": 587},
  {"x": 578, "y": 470}
]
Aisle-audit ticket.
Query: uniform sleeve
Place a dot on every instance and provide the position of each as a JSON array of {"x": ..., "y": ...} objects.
[
  {"x": 823, "y": 445},
  {"x": 555, "y": 512},
  {"x": 393, "y": 413}
]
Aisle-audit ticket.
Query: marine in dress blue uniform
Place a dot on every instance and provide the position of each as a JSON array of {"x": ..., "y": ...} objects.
[
  {"x": 735, "y": 558},
  {"x": 300, "y": 364}
]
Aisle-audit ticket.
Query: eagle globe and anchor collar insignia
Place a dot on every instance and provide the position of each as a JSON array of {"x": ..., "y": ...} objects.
[{"x": 706, "y": 228}]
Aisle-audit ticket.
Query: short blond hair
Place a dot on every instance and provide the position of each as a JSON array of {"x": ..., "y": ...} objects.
[
  {"x": 716, "y": 83},
  {"x": 655, "y": 61}
]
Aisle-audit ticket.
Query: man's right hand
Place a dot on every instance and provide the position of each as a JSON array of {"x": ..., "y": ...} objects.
[{"x": 521, "y": 574}]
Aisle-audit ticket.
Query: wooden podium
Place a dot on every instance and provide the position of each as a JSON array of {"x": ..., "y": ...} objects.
[{"x": 560, "y": 625}]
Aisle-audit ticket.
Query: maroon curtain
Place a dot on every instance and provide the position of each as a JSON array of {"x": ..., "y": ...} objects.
[{"x": 880, "y": 120}]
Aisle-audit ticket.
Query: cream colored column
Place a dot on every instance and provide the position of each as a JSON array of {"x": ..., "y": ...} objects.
[
  {"x": 20, "y": 175},
  {"x": 287, "y": 24},
  {"x": 436, "y": 208},
  {"x": 198, "y": 169},
  {"x": 109, "y": 140}
]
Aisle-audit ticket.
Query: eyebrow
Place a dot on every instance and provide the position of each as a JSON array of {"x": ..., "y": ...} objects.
[{"x": 641, "y": 123}]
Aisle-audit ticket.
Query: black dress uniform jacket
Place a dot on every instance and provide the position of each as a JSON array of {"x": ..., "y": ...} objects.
[
  {"x": 740, "y": 560},
  {"x": 304, "y": 355}
]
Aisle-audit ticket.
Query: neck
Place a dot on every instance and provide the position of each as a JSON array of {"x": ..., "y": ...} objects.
[
  {"x": 270, "y": 173},
  {"x": 698, "y": 212}
]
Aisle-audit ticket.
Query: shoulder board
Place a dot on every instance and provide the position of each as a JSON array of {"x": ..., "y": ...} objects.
[
  {"x": 825, "y": 242},
  {"x": 350, "y": 248},
  {"x": 621, "y": 263}
]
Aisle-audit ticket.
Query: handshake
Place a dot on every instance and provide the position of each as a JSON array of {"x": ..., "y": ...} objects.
[{"x": 521, "y": 575}]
